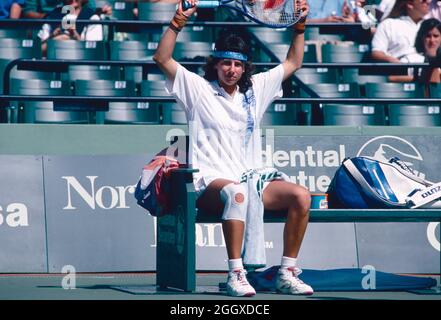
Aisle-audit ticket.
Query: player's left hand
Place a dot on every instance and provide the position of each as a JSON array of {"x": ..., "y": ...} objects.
[{"x": 304, "y": 6}]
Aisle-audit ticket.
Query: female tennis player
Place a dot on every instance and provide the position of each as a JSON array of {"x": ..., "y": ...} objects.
[{"x": 224, "y": 109}]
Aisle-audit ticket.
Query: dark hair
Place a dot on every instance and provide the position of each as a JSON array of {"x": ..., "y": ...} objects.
[
  {"x": 231, "y": 42},
  {"x": 399, "y": 9},
  {"x": 425, "y": 27}
]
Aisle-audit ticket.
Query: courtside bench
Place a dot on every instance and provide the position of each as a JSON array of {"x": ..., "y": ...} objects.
[{"x": 176, "y": 248}]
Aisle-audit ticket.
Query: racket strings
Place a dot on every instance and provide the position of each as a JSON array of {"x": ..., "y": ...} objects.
[{"x": 273, "y": 12}]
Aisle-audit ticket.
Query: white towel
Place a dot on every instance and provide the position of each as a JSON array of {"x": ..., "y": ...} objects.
[{"x": 253, "y": 249}]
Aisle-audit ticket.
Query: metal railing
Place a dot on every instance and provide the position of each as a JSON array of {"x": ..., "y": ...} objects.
[{"x": 12, "y": 23}]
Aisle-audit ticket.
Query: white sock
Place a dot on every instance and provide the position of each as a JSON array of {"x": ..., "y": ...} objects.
[
  {"x": 234, "y": 264},
  {"x": 288, "y": 262}
]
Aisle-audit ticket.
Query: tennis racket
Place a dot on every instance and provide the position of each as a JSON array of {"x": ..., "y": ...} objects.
[{"x": 271, "y": 13}]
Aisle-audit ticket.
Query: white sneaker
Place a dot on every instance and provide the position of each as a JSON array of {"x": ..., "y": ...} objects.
[
  {"x": 289, "y": 283},
  {"x": 238, "y": 285}
]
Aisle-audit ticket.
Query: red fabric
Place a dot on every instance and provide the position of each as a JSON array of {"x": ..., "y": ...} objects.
[
  {"x": 162, "y": 182},
  {"x": 272, "y": 4}
]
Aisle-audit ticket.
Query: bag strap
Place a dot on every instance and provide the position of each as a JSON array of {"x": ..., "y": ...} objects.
[
  {"x": 425, "y": 196},
  {"x": 410, "y": 175}
]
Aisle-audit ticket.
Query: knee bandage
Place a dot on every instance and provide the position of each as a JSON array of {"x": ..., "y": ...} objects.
[{"x": 235, "y": 201}]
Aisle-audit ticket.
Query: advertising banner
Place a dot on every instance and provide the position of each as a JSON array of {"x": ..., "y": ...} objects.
[
  {"x": 93, "y": 221},
  {"x": 22, "y": 215},
  {"x": 80, "y": 211}
]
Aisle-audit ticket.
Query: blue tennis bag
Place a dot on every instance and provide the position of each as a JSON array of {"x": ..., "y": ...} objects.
[{"x": 366, "y": 183}]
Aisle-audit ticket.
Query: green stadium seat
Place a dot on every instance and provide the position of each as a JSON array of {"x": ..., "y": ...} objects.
[
  {"x": 394, "y": 90},
  {"x": 311, "y": 76},
  {"x": 156, "y": 88},
  {"x": 132, "y": 113},
  {"x": 19, "y": 48},
  {"x": 317, "y": 75},
  {"x": 155, "y": 75},
  {"x": 185, "y": 51},
  {"x": 310, "y": 53},
  {"x": 132, "y": 50},
  {"x": 342, "y": 114},
  {"x": 313, "y": 34},
  {"x": 178, "y": 115},
  {"x": 86, "y": 72},
  {"x": 196, "y": 34},
  {"x": 156, "y": 11},
  {"x": 348, "y": 52},
  {"x": 22, "y": 74},
  {"x": 414, "y": 116},
  {"x": 276, "y": 40},
  {"x": 281, "y": 49},
  {"x": 42, "y": 111},
  {"x": 267, "y": 35},
  {"x": 28, "y": 74},
  {"x": 155, "y": 34},
  {"x": 14, "y": 33},
  {"x": 122, "y": 10},
  {"x": 353, "y": 75},
  {"x": 280, "y": 114},
  {"x": 353, "y": 115},
  {"x": 344, "y": 52},
  {"x": 104, "y": 88},
  {"x": 77, "y": 50},
  {"x": 435, "y": 90},
  {"x": 405, "y": 114},
  {"x": 11, "y": 49},
  {"x": 119, "y": 112},
  {"x": 99, "y": 87}
]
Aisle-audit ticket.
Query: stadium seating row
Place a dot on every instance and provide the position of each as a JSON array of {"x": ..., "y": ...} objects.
[
  {"x": 278, "y": 113},
  {"x": 194, "y": 44}
]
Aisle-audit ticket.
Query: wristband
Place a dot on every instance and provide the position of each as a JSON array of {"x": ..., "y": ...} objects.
[
  {"x": 172, "y": 26},
  {"x": 178, "y": 21},
  {"x": 299, "y": 28}
]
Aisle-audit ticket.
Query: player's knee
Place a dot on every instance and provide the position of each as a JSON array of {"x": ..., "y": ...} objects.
[
  {"x": 235, "y": 201},
  {"x": 301, "y": 199}
]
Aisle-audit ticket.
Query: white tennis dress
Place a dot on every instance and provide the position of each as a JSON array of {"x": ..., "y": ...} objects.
[{"x": 225, "y": 135}]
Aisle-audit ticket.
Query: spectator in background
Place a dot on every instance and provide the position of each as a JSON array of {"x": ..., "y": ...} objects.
[
  {"x": 385, "y": 7},
  {"x": 332, "y": 11},
  {"x": 90, "y": 32},
  {"x": 435, "y": 10},
  {"x": 427, "y": 43},
  {"x": 394, "y": 39},
  {"x": 39, "y": 9},
  {"x": 11, "y": 9}
]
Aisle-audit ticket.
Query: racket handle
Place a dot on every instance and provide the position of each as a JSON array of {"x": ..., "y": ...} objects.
[{"x": 202, "y": 4}]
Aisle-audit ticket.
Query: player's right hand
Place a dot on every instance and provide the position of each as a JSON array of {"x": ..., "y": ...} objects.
[{"x": 190, "y": 10}]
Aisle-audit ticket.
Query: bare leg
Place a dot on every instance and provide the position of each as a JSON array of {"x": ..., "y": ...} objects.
[
  {"x": 211, "y": 202},
  {"x": 282, "y": 195}
]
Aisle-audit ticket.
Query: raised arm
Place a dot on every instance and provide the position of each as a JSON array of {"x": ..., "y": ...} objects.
[
  {"x": 163, "y": 55},
  {"x": 294, "y": 58},
  {"x": 380, "y": 56}
]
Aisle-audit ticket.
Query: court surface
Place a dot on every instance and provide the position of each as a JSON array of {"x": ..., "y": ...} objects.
[{"x": 141, "y": 286}]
